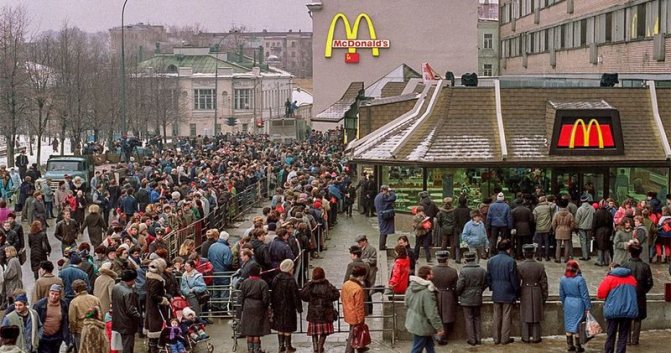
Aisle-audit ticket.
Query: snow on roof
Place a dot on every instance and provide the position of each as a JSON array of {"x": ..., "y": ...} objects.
[{"x": 301, "y": 97}]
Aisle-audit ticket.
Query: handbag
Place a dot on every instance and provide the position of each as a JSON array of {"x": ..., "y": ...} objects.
[
  {"x": 387, "y": 214},
  {"x": 203, "y": 297},
  {"x": 360, "y": 336}
]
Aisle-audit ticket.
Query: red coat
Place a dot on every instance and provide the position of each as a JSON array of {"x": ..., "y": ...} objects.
[{"x": 400, "y": 275}]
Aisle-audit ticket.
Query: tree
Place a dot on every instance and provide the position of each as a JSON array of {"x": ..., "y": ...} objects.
[
  {"x": 41, "y": 81},
  {"x": 14, "y": 91}
]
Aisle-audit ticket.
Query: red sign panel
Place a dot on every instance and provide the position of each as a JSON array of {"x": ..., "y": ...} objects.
[
  {"x": 584, "y": 132},
  {"x": 585, "y": 135},
  {"x": 352, "y": 58}
]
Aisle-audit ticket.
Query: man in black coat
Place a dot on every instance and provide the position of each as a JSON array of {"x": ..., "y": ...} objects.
[
  {"x": 126, "y": 313},
  {"x": 523, "y": 220},
  {"x": 641, "y": 271},
  {"x": 22, "y": 163},
  {"x": 533, "y": 294},
  {"x": 445, "y": 280}
]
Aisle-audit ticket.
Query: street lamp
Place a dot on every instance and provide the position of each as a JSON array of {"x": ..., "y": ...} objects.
[{"x": 123, "y": 72}]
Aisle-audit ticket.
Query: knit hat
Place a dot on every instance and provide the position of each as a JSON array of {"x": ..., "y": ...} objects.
[
  {"x": 287, "y": 265},
  {"x": 21, "y": 298},
  {"x": 188, "y": 312},
  {"x": 224, "y": 235},
  {"x": 500, "y": 197},
  {"x": 75, "y": 259},
  {"x": 55, "y": 288},
  {"x": 469, "y": 256}
]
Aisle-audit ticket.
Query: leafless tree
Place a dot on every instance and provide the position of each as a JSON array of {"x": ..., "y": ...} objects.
[
  {"x": 14, "y": 92},
  {"x": 42, "y": 79}
]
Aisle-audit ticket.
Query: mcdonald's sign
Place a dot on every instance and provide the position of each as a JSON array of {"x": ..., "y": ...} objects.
[
  {"x": 587, "y": 132},
  {"x": 351, "y": 41}
]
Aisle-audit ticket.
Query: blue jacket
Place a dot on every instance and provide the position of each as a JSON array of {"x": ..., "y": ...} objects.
[
  {"x": 335, "y": 191},
  {"x": 195, "y": 282},
  {"x": 70, "y": 274},
  {"x": 279, "y": 251},
  {"x": 499, "y": 215},
  {"x": 128, "y": 204},
  {"x": 502, "y": 278},
  {"x": 41, "y": 308},
  {"x": 220, "y": 256},
  {"x": 474, "y": 234},
  {"x": 619, "y": 291}
]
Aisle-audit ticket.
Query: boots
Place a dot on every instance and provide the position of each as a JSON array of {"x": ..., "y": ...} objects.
[
  {"x": 322, "y": 340},
  {"x": 635, "y": 332},
  {"x": 281, "y": 344},
  {"x": 250, "y": 347},
  {"x": 569, "y": 344},
  {"x": 315, "y": 344},
  {"x": 287, "y": 340},
  {"x": 578, "y": 346}
]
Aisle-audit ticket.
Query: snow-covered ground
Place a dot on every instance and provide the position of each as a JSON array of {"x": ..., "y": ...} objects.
[{"x": 47, "y": 151}]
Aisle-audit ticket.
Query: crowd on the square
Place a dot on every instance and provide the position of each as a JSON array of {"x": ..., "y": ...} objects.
[{"x": 532, "y": 228}]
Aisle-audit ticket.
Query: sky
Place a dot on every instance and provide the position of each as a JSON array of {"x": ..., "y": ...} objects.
[{"x": 213, "y": 15}]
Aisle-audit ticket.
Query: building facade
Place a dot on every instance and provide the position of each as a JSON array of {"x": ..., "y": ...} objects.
[
  {"x": 569, "y": 36},
  {"x": 215, "y": 87},
  {"x": 488, "y": 39},
  {"x": 140, "y": 40},
  {"x": 364, "y": 40}
]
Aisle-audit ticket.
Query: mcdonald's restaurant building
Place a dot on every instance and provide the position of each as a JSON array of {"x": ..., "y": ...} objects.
[
  {"x": 478, "y": 141},
  {"x": 363, "y": 40}
]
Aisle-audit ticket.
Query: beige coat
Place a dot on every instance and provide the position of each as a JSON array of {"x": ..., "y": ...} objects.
[
  {"x": 563, "y": 224},
  {"x": 103, "y": 287}
]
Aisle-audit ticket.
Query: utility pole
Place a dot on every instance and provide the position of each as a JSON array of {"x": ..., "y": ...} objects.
[{"x": 123, "y": 73}]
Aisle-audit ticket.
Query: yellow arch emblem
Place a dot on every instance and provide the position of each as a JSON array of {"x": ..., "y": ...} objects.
[
  {"x": 585, "y": 132},
  {"x": 350, "y": 32}
]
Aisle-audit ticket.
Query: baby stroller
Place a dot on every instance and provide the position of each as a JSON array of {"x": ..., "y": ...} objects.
[{"x": 191, "y": 345}]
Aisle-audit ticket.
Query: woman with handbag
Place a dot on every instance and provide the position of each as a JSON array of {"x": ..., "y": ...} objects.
[
  {"x": 193, "y": 286},
  {"x": 320, "y": 294},
  {"x": 285, "y": 302},
  {"x": 253, "y": 309},
  {"x": 575, "y": 300},
  {"x": 39, "y": 246}
]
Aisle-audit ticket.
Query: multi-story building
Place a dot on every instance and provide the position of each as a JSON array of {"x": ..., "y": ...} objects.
[
  {"x": 488, "y": 36},
  {"x": 219, "y": 87},
  {"x": 140, "y": 40},
  {"x": 567, "y": 36}
]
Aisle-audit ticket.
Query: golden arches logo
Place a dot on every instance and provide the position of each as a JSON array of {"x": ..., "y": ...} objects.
[
  {"x": 351, "y": 33},
  {"x": 586, "y": 129}
]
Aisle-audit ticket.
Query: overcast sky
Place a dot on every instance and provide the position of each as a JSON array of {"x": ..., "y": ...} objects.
[{"x": 213, "y": 15}]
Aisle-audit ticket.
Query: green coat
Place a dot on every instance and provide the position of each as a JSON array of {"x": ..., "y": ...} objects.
[{"x": 422, "y": 318}]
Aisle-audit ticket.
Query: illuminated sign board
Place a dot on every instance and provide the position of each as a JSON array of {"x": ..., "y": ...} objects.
[
  {"x": 587, "y": 132},
  {"x": 351, "y": 41}
]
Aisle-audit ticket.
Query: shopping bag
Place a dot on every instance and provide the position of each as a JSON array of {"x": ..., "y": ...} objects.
[
  {"x": 592, "y": 327},
  {"x": 360, "y": 336}
]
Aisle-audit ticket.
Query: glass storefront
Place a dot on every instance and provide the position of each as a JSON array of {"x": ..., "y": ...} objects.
[{"x": 477, "y": 184}]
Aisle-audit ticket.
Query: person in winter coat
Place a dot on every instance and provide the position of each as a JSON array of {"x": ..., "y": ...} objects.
[
  {"x": 46, "y": 280},
  {"x": 126, "y": 311},
  {"x": 584, "y": 218},
  {"x": 563, "y": 224},
  {"x": 533, "y": 294},
  {"x": 320, "y": 295},
  {"x": 157, "y": 305},
  {"x": 12, "y": 274},
  {"x": 285, "y": 303},
  {"x": 603, "y": 231},
  {"x": 575, "y": 301},
  {"x": 446, "y": 229},
  {"x": 39, "y": 246},
  {"x": 543, "y": 216},
  {"x": 279, "y": 248},
  {"x": 642, "y": 235},
  {"x": 641, "y": 271},
  {"x": 39, "y": 209},
  {"x": 475, "y": 235},
  {"x": 384, "y": 207},
  {"x": 445, "y": 280},
  {"x": 400, "y": 271},
  {"x": 523, "y": 220},
  {"x": 462, "y": 214},
  {"x": 56, "y": 331},
  {"x": 103, "y": 285},
  {"x": 67, "y": 231},
  {"x": 618, "y": 290},
  {"x": 421, "y": 318},
  {"x": 621, "y": 240},
  {"x": 431, "y": 211},
  {"x": 470, "y": 285},
  {"x": 96, "y": 224},
  {"x": 353, "y": 298},
  {"x": 93, "y": 338},
  {"x": 191, "y": 284},
  {"x": 504, "y": 281},
  {"x": 499, "y": 221},
  {"x": 79, "y": 310},
  {"x": 254, "y": 300}
]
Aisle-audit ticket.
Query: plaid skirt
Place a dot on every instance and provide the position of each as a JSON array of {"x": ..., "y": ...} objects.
[{"x": 320, "y": 329}]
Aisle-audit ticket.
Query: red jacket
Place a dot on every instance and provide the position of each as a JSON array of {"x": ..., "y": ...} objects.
[{"x": 400, "y": 275}]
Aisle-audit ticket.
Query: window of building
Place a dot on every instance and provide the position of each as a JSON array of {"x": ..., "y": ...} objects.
[
  {"x": 505, "y": 13},
  {"x": 488, "y": 41},
  {"x": 487, "y": 70},
  {"x": 618, "y": 26},
  {"x": 243, "y": 99},
  {"x": 583, "y": 32},
  {"x": 175, "y": 129},
  {"x": 609, "y": 27},
  {"x": 636, "y": 182},
  {"x": 192, "y": 130},
  {"x": 203, "y": 99},
  {"x": 293, "y": 44},
  {"x": 652, "y": 20},
  {"x": 636, "y": 19}
]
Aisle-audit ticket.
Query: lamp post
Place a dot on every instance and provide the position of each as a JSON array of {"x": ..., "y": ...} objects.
[{"x": 123, "y": 72}]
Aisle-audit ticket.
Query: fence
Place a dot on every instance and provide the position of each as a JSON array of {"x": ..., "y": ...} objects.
[{"x": 220, "y": 217}]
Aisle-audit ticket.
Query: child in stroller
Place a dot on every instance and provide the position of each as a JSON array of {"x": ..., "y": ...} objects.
[
  {"x": 173, "y": 337},
  {"x": 193, "y": 325}
]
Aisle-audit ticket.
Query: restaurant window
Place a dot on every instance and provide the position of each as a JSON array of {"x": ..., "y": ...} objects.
[
  {"x": 407, "y": 182},
  {"x": 203, "y": 99},
  {"x": 635, "y": 183}
]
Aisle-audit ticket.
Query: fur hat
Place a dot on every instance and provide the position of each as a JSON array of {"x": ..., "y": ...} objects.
[
  {"x": 157, "y": 266},
  {"x": 287, "y": 265}
]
